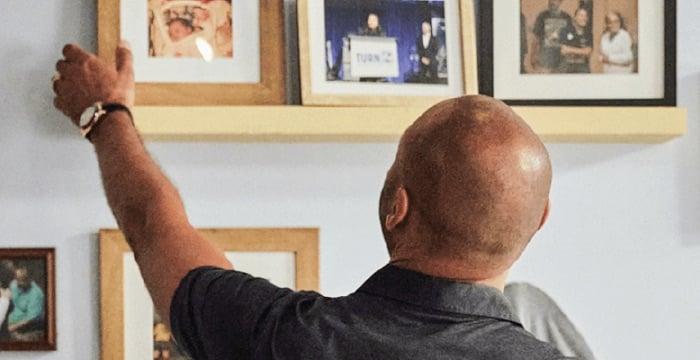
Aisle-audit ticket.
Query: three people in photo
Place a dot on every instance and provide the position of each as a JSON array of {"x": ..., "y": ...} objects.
[{"x": 565, "y": 43}]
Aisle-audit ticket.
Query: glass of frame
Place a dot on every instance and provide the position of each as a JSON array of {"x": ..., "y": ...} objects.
[
  {"x": 27, "y": 300},
  {"x": 199, "y": 52},
  {"x": 130, "y": 327},
  {"x": 386, "y": 52},
  {"x": 579, "y": 52}
]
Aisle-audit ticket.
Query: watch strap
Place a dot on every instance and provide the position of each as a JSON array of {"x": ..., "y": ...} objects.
[{"x": 103, "y": 109}]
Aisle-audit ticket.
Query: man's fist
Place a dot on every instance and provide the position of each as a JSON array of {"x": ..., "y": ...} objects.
[{"x": 84, "y": 79}]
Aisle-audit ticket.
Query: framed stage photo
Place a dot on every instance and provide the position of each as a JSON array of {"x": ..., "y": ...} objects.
[
  {"x": 199, "y": 52},
  {"x": 579, "y": 52},
  {"x": 131, "y": 329},
  {"x": 27, "y": 300},
  {"x": 386, "y": 52}
]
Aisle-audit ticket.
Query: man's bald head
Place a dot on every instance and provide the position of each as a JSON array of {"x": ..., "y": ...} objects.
[{"x": 476, "y": 181}]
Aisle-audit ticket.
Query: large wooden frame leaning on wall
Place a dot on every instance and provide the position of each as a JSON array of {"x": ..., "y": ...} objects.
[
  {"x": 192, "y": 52},
  {"x": 333, "y": 72},
  {"x": 287, "y": 257}
]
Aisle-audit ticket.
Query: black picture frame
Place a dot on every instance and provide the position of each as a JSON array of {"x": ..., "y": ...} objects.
[{"x": 485, "y": 35}]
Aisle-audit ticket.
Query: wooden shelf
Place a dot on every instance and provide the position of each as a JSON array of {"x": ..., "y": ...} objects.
[{"x": 385, "y": 124}]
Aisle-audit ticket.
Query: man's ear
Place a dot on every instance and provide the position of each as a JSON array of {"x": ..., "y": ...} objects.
[
  {"x": 399, "y": 209},
  {"x": 545, "y": 215}
]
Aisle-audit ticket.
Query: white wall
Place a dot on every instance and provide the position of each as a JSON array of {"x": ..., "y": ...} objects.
[{"x": 620, "y": 254}]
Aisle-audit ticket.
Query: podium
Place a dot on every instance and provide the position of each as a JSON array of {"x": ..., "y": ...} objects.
[{"x": 370, "y": 57}]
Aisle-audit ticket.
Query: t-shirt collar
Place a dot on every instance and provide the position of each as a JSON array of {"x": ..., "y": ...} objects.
[{"x": 439, "y": 294}]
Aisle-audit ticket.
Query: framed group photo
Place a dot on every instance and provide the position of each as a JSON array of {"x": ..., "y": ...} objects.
[
  {"x": 27, "y": 300},
  {"x": 386, "y": 52},
  {"x": 131, "y": 329},
  {"x": 199, "y": 52},
  {"x": 579, "y": 52}
]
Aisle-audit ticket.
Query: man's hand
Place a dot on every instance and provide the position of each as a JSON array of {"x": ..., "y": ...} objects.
[{"x": 84, "y": 79}]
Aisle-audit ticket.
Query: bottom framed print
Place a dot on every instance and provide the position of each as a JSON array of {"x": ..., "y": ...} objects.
[{"x": 131, "y": 329}]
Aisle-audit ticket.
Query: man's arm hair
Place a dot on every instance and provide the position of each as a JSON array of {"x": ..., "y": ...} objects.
[
  {"x": 149, "y": 211},
  {"x": 572, "y": 50},
  {"x": 146, "y": 205}
]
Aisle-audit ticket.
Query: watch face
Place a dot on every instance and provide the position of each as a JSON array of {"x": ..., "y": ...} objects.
[{"x": 87, "y": 115}]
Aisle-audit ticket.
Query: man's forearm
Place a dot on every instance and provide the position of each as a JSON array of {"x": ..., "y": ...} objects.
[
  {"x": 141, "y": 197},
  {"x": 146, "y": 205},
  {"x": 149, "y": 211},
  {"x": 572, "y": 50}
]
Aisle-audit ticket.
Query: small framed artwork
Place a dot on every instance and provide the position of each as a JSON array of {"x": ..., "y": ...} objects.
[
  {"x": 199, "y": 52},
  {"x": 386, "y": 52},
  {"x": 579, "y": 52},
  {"x": 131, "y": 329},
  {"x": 27, "y": 300}
]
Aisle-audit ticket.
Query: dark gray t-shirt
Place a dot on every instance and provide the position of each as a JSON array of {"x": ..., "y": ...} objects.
[
  {"x": 547, "y": 29},
  {"x": 396, "y": 314}
]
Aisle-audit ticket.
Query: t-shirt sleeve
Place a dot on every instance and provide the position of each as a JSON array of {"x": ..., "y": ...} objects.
[{"x": 214, "y": 312}]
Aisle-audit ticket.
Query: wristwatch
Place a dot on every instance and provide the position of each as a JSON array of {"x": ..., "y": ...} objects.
[{"x": 93, "y": 114}]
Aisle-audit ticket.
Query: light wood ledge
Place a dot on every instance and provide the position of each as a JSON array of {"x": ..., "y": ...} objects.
[{"x": 385, "y": 124}]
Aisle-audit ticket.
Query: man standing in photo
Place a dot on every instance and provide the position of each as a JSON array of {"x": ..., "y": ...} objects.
[
  {"x": 25, "y": 322},
  {"x": 577, "y": 45},
  {"x": 546, "y": 49},
  {"x": 427, "y": 47}
]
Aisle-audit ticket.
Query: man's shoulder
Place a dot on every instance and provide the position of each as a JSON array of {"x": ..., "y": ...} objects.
[
  {"x": 36, "y": 290},
  {"x": 515, "y": 343}
]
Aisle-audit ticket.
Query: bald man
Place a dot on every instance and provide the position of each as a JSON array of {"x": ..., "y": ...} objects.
[{"x": 468, "y": 190}]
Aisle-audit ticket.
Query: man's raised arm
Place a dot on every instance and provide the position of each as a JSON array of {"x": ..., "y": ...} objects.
[{"x": 146, "y": 205}]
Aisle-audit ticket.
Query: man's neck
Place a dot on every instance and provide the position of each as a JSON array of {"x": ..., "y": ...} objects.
[{"x": 446, "y": 271}]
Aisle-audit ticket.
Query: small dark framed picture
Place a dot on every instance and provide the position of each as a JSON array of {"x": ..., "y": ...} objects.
[
  {"x": 27, "y": 300},
  {"x": 579, "y": 52}
]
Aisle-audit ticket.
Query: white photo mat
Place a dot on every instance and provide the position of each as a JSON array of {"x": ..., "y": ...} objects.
[
  {"x": 510, "y": 84},
  {"x": 320, "y": 85},
  {"x": 276, "y": 266},
  {"x": 244, "y": 67}
]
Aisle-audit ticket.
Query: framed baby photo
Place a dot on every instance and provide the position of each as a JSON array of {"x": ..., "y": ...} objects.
[
  {"x": 199, "y": 52},
  {"x": 27, "y": 300},
  {"x": 386, "y": 52},
  {"x": 131, "y": 329},
  {"x": 579, "y": 52}
]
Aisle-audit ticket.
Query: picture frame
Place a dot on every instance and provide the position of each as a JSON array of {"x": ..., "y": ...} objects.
[
  {"x": 646, "y": 77},
  {"x": 28, "y": 319},
  {"x": 385, "y": 68},
  {"x": 126, "y": 308},
  {"x": 171, "y": 75}
]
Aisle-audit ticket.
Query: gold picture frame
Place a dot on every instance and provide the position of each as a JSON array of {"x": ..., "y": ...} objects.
[
  {"x": 467, "y": 55},
  {"x": 302, "y": 242},
  {"x": 270, "y": 90}
]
